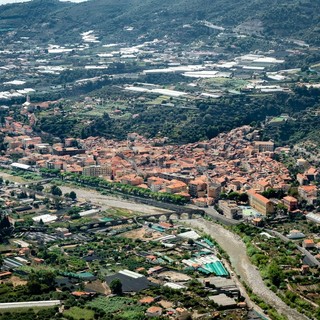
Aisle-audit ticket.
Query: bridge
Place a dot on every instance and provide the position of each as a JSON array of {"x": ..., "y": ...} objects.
[
  {"x": 167, "y": 216},
  {"x": 36, "y": 182}
]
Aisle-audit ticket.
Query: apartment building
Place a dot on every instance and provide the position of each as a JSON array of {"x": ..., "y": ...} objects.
[
  {"x": 263, "y": 146},
  {"x": 97, "y": 171},
  {"x": 291, "y": 203},
  {"x": 308, "y": 193},
  {"x": 229, "y": 209},
  {"x": 260, "y": 203}
]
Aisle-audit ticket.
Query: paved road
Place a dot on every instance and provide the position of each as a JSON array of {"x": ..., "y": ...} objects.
[
  {"x": 216, "y": 216},
  {"x": 111, "y": 201},
  {"x": 236, "y": 250},
  {"x": 301, "y": 249}
]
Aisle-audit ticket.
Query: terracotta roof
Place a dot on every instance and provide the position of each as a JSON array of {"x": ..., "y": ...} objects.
[
  {"x": 290, "y": 199},
  {"x": 258, "y": 196},
  {"x": 154, "y": 309},
  {"x": 80, "y": 293},
  {"x": 146, "y": 300},
  {"x": 308, "y": 188}
]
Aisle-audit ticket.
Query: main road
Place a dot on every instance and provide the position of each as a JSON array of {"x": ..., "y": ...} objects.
[{"x": 236, "y": 250}]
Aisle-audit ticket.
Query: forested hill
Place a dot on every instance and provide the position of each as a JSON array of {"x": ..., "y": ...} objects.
[{"x": 178, "y": 19}]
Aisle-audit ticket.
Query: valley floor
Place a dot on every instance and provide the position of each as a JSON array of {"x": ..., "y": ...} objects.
[{"x": 236, "y": 250}]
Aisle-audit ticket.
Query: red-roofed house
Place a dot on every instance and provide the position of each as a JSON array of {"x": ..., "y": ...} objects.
[
  {"x": 308, "y": 193},
  {"x": 308, "y": 243},
  {"x": 290, "y": 202},
  {"x": 154, "y": 312},
  {"x": 146, "y": 300}
]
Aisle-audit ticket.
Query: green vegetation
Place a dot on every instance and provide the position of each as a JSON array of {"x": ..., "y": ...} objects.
[
  {"x": 120, "y": 213},
  {"x": 116, "y": 286},
  {"x": 27, "y": 176},
  {"x": 29, "y": 314},
  {"x": 102, "y": 185},
  {"x": 203, "y": 122},
  {"x": 56, "y": 191},
  {"x": 118, "y": 308},
  {"x": 296, "y": 19},
  {"x": 274, "y": 315},
  {"x": 73, "y": 195},
  {"x": 40, "y": 281},
  {"x": 19, "y": 176},
  {"x": 279, "y": 264},
  {"x": 77, "y": 313},
  {"x": 21, "y": 293},
  {"x": 5, "y": 228}
]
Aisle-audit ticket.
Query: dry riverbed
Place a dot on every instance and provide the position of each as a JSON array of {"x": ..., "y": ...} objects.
[
  {"x": 106, "y": 201},
  {"x": 236, "y": 250}
]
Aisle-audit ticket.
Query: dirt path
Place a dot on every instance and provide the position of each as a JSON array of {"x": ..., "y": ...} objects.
[{"x": 236, "y": 250}]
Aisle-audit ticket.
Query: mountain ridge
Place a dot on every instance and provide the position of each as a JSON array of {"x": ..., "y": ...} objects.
[{"x": 290, "y": 18}]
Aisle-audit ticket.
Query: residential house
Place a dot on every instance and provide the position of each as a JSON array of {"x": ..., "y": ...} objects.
[
  {"x": 302, "y": 179},
  {"x": 154, "y": 311},
  {"x": 312, "y": 174},
  {"x": 131, "y": 179},
  {"x": 308, "y": 244},
  {"x": 290, "y": 203},
  {"x": 176, "y": 186},
  {"x": 203, "y": 201},
  {"x": 197, "y": 187},
  {"x": 262, "y": 185},
  {"x": 308, "y": 193}
]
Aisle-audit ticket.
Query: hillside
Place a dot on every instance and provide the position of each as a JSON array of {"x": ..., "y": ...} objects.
[{"x": 180, "y": 19}]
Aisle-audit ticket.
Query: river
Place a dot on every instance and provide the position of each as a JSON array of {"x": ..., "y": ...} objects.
[{"x": 236, "y": 250}]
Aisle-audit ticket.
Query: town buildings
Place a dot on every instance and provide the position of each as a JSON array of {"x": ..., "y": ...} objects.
[{"x": 201, "y": 171}]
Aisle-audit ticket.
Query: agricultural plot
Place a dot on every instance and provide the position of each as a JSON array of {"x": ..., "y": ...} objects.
[
  {"x": 79, "y": 313},
  {"x": 126, "y": 307}
]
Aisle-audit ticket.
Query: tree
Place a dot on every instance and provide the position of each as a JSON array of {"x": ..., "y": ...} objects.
[
  {"x": 116, "y": 286},
  {"x": 191, "y": 242},
  {"x": 73, "y": 195},
  {"x": 281, "y": 208},
  {"x": 39, "y": 187},
  {"x": 75, "y": 216},
  {"x": 243, "y": 197},
  {"x": 5, "y": 228},
  {"x": 233, "y": 196},
  {"x": 41, "y": 281},
  {"x": 22, "y": 195},
  {"x": 56, "y": 191},
  {"x": 275, "y": 274},
  {"x": 58, "y": 203},
  {"x": 272, "y": 193}
]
